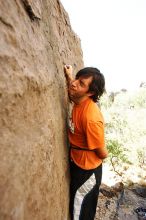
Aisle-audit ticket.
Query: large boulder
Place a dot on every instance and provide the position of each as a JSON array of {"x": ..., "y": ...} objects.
[{"x": 36, "y": 40}]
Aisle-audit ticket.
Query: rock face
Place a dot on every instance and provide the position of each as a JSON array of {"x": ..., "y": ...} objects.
[
  {"x": 121, "y": 203},
  {"x": 36, "y": 40}
]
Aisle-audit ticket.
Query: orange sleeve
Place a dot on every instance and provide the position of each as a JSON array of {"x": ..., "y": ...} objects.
[{"x": 95, "y": 134}]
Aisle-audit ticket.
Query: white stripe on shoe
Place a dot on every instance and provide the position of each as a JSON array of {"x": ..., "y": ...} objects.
[{"x": 81, "y": 193}]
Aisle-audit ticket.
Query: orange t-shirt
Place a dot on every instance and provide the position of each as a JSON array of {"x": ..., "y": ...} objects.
[{"x": 86, "y": 131}]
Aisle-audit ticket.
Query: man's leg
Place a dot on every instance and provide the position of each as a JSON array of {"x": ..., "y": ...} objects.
[
  {"x": 89, "y": 204},
  {"x": 84, "y": 189},
  {"x": 76, "y": 182}
]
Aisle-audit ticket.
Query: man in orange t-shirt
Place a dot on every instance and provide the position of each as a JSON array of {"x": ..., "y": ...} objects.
[{"x": 86, "y": 137}]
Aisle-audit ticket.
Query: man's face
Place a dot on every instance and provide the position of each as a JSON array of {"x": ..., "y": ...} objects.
[{"x": 79, "y": 88}]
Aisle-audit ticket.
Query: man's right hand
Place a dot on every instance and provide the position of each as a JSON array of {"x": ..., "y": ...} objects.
[
  {"x": 68, "y": 71},
  {"x": 68, "y": 74}
]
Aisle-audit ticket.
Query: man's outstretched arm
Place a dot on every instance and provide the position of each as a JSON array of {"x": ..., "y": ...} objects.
[{"x": 68, "y": 74}]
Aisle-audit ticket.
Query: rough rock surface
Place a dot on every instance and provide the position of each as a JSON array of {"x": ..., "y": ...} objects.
[
  {"x": 36, "y": 40},
  {"x": 120, "y": 203}
]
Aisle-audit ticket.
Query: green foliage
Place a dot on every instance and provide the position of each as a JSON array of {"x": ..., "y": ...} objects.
[
  {"x": 125, "y": 119},
  {"x": 116, "y": 123},
  {"x": 141, "y": 155},
  {"x": 116, "y": 150},
  {"x": 136, "y": 99},
  {"x": 140, "y": 98},
  {"x": 117, "y": 155}
]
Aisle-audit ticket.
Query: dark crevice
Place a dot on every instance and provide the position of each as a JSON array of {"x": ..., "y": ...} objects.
[
  {"x": 6, "y": 23},
  {"x": 29, "y": 10}
]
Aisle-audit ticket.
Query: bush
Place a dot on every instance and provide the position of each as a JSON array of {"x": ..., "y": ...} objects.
[{"x": 125, "y": 131}]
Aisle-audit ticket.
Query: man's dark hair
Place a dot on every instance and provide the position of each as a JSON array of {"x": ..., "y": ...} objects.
[{"x": 97, "y": 85}]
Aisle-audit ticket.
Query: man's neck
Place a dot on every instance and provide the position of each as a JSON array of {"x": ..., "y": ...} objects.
[{"x": 80, "y": 100}]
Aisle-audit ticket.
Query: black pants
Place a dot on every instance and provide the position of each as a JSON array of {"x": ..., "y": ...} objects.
[{"x": 84, "y": 191}]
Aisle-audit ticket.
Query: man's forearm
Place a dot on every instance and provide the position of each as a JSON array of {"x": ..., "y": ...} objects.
[
  {"x": 102, "y": 153},
  {"x": 68, "y": 74},
  {"x": 69, "y": 80}
]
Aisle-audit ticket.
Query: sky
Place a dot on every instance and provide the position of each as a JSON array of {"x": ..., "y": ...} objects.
[{"x": 113, "y": 38}]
